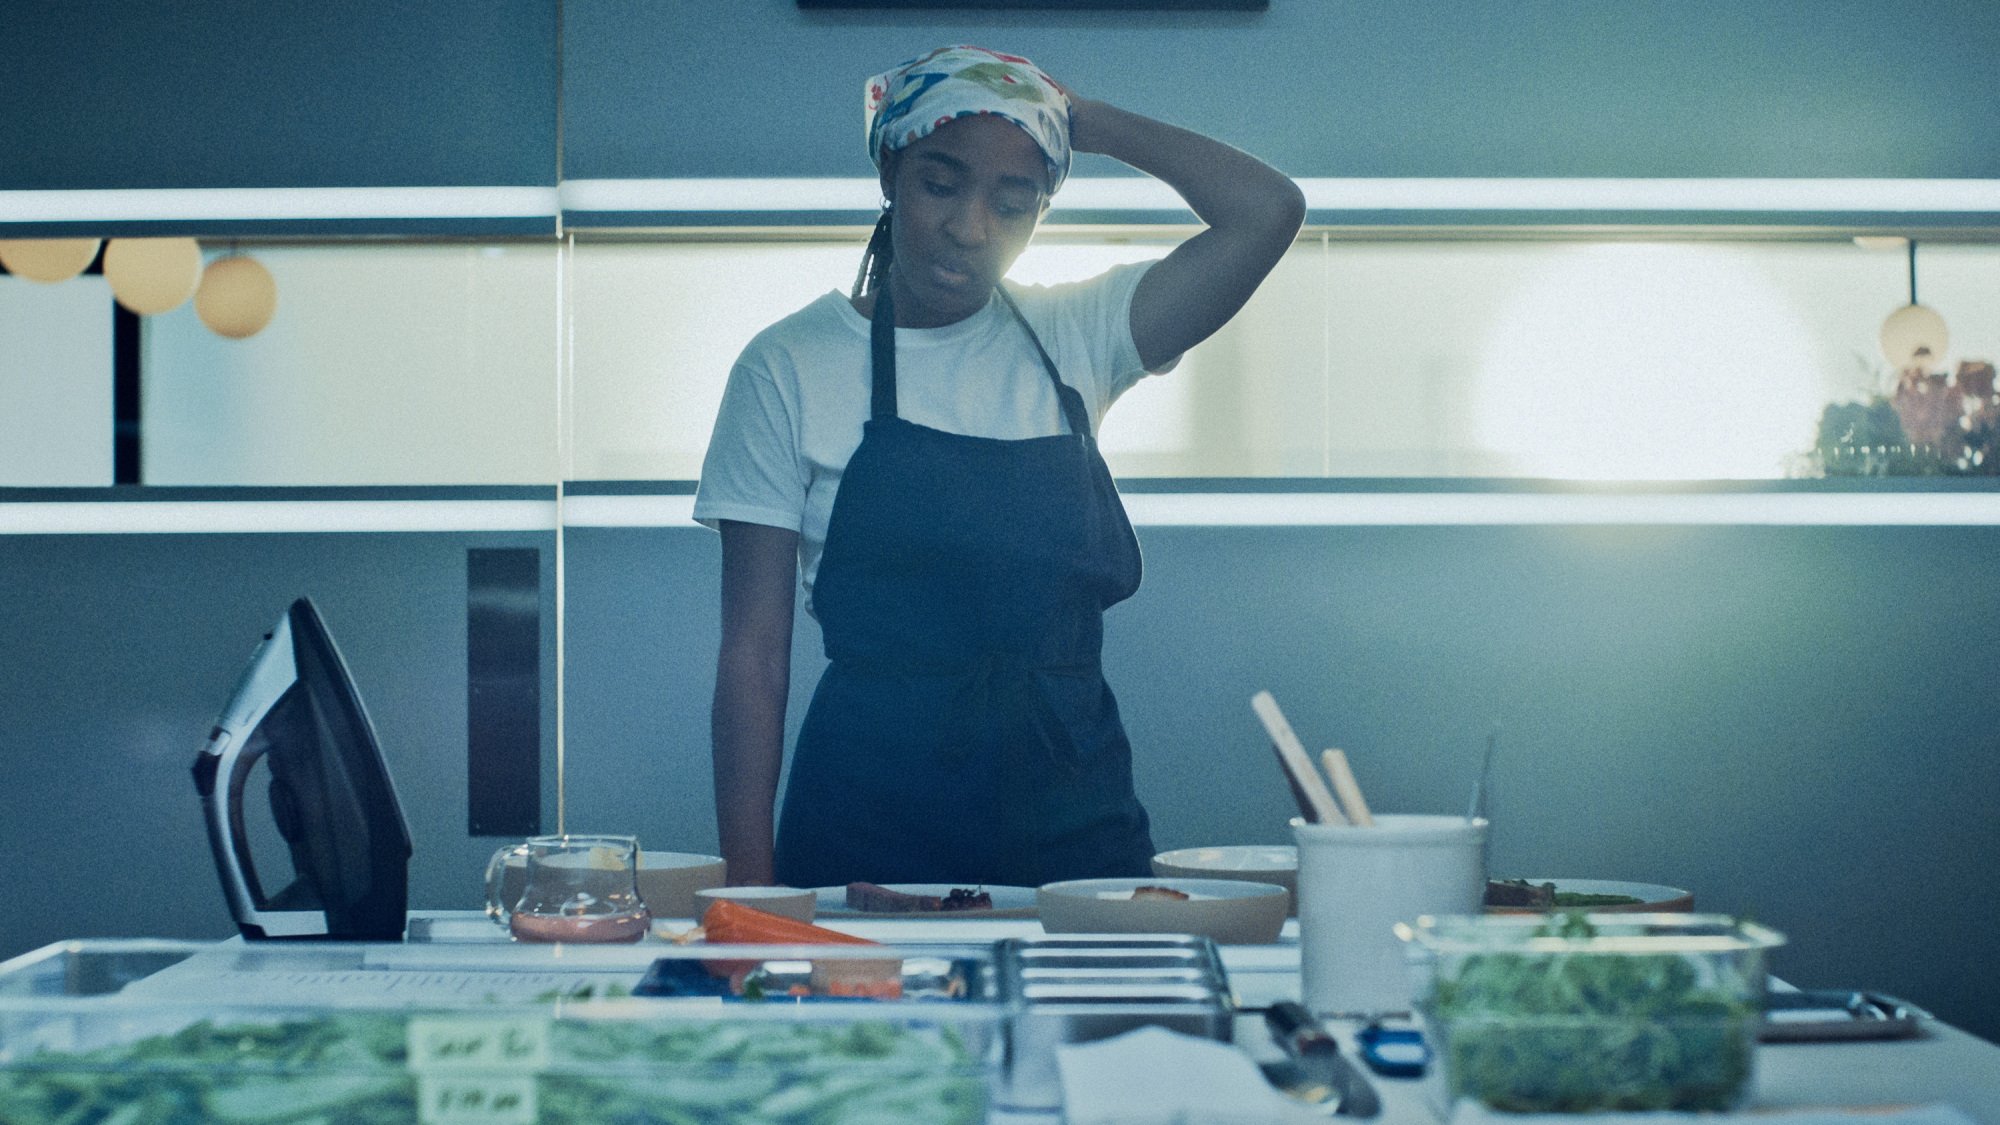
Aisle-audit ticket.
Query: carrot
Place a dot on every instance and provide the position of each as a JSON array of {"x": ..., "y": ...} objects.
[{"x": 732, "y": 923}]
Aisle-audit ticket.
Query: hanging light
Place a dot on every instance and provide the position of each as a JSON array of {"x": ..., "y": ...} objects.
[
  {"x": 237, "y": 296},
  {"x": 1914, "y": 336},
  {"x": 48, "y": 259},
  {"x": 152, "y": 275}
]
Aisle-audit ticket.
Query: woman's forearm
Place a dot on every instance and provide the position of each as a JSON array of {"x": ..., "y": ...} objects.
[
  {"x": 748, "y": 729},
  {"x": 753, "y": 674}
]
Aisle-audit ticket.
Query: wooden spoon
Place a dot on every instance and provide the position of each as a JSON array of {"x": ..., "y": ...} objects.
[{"x": 1318, "y": 805}]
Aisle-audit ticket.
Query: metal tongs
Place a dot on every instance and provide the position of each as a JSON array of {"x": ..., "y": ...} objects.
[{"x": 1316, "y": 1071}]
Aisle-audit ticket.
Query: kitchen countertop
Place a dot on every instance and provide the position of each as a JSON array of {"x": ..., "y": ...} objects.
[{"x": 1941, "y": 1065}]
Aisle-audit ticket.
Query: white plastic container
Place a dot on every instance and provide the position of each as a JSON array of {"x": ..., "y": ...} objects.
[{"x": 1356, "y": 884}]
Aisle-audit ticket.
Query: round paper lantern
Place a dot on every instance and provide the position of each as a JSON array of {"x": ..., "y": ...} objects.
[
  {"x": 237, "y": 296},
  {"x": 152, "y": 275},
  {"x": 1914, "y": 336},
  {"x": 48, "y": 259}
]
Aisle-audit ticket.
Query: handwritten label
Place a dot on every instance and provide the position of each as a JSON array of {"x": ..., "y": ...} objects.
[
  {"x": 477, "y": 1071},
  {"x": 452, "y": 1098},
  {"x": 456, "y": 1044}
]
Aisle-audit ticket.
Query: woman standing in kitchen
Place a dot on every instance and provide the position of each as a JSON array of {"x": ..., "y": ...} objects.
[{"x": 923, "y": 451}]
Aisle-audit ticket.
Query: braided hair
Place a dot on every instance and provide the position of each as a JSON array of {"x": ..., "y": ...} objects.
[{"x": 874, "y": 271}]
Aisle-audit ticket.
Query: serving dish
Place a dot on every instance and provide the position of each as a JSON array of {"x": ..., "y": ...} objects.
[
  {"x": 1225, "y": 910},
  {"x": 1252, "y": 863},
  {"x": 786, "y": 902},
  {"x": 1008, "y": 902},
  {"x": 668, "y": 881},
  {"x": 1654, "y": 898}
]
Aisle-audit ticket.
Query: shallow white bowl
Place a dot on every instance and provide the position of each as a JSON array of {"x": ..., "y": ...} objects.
[
  {"x": 789, "y": 902},
  {"x": 1654, "y": 898},
  {"x": 668, "y": 881},
  {"x": 1253, "y": 863},
  {"x": 1228, "y": 910}
]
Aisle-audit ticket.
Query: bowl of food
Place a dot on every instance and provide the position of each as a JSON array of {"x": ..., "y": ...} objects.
[
  {"x": 1230, "y": 911},
  {"x": 1252, "y": 863},
  {"x": 1583, "y": 1012},
  {"x": 1598, "y": 896},
  {"x": 786, "y": 902},
  {"x": 668, "y": 881}
]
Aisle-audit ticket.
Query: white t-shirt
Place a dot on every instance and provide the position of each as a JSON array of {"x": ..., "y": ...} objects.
[{"x": 792, "y": 411}]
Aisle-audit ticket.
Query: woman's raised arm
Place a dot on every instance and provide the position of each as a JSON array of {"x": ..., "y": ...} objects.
[{"x": 1252, "y": 211}]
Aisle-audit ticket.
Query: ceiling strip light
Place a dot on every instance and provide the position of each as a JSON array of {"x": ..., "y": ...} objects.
[
  {"x": 1443, "y": 194},
  {"x": 1339, "y": 509},
  {"x": 288, "y": 516},
  {"x": 1275, "y": 509},
  {"x": 232, "y": 204},
  {"x": 1148, "y": 509}
]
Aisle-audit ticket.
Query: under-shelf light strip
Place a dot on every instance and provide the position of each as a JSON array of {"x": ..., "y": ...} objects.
[
  {"x": 1154, "y": 509},
  {"x": 120, "y": 517},
  {"x": 806, "y": 196},
  {"x": 275, "y": 204},
  {"x": 1389, "y": 509}
]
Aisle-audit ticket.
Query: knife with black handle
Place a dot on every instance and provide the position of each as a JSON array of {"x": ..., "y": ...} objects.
[{"x": 1304, "y": 1038}]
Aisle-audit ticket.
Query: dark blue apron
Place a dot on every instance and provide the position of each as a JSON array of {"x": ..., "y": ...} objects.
[{"x": 963, "y": 732}]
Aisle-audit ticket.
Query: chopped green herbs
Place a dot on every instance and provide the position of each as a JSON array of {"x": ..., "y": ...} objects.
[
  {"x": 351, "y": 1069},
  {"x": 1573, "y": 899},
  {"x": 1592, "y": 1030}
]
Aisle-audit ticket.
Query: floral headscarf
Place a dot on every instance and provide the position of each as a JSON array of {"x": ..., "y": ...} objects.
[{"x": 906, "y": 103}]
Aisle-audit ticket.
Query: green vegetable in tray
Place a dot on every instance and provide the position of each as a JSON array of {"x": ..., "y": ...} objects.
[
  {"x": 1571, "y": 900},
  {"x": 351, "y": 1069},
  {"x": 1569, "y": 1031}
]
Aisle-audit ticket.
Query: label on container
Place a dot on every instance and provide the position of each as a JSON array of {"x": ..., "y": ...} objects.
[
  {"x": 469, "y": 1098},
  {"x": 457, "y": 1043},
  {"x": 474, "y": 1071}
]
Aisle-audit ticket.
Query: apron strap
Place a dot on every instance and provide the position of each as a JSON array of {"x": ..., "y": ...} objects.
[
  {"x": 882, "y": 350},
  {"x": 882, "y": 355},
  {"x": 1072, "y": 402}
]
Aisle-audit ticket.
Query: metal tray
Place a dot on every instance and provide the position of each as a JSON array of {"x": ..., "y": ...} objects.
[{"x": 1078, "y": 988}]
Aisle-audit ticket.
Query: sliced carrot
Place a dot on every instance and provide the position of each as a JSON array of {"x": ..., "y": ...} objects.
[{"x": 732, "y": 923}]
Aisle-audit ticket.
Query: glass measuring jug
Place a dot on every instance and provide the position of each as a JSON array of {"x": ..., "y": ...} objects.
[{"x": 568, "y": 888}]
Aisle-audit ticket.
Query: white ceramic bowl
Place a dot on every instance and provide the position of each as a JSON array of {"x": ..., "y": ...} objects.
[
  {"x": 1253, "y": 863},
  {"x": 1228, "y": 910},
  {"x": 668, "y": 881},
  {"x": 789, "y": 902}
]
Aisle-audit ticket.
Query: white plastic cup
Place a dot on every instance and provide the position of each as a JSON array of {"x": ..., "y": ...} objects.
[{"x": 1355, "y": 884}]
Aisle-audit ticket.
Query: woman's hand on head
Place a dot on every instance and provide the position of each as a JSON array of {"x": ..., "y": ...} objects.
[{"x": 1252, "y": 212}]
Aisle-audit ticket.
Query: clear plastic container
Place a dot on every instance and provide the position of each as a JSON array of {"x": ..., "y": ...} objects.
[
  {"x": 1574, "y": 1013},
  {"x": 153, "y": 1032}
]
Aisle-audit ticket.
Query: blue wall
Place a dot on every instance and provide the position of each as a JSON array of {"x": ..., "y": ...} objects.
[
  {"x": 238, "y": 93},
  {"x": 1331, "y": 87},
  {"x": 1796, "y": 723},
  {"x": 1793, "y": 722},
  {"x": 119, "y": 651},
  {"x": 465, "y": 92}
]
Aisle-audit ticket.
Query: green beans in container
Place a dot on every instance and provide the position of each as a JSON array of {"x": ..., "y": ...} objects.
[
  {"x": 159, "y": 1033},
  {"x": 1577, "y": 1012}
]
